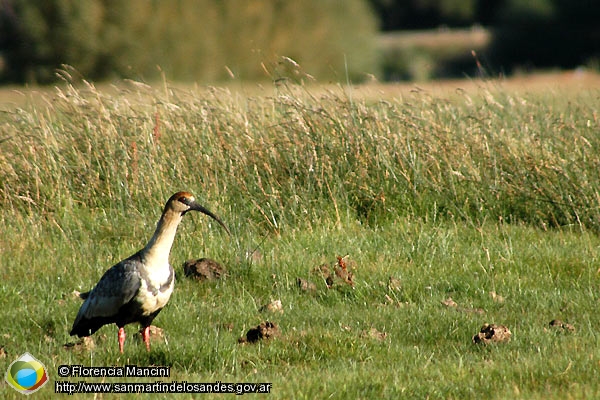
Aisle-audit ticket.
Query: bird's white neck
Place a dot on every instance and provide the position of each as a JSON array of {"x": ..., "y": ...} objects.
[{"x": 156, "y": 253}]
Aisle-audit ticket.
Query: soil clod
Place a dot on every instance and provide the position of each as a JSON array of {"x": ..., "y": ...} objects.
[
  {"x": 265, "y": 330},
  {"x": 204, "y": 269},
  {"x": 492, "y": 333},
  {"x": 557, "y": 324}
]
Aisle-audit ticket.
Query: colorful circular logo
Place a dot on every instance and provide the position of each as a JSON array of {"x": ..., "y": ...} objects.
[{"x": 26, "y": 374}]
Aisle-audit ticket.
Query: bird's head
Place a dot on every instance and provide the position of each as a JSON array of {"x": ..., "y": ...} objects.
[{"x": 182, "y": 202}]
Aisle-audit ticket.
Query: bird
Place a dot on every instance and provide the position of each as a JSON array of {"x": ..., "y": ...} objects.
[{"x": 137, "y": 288}]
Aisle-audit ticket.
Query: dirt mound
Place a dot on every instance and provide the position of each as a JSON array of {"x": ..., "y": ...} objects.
[
  {"x": 374, "y": 333},
  {"x": 559, "y": 325},
  {"x": 452, "y": 304},
  {"x": 273, "y": 306},
  {"x": 342, "y": 271},
  {"x": 492, "y": 333},
  {"x": 204, "y": 269},
  {"x": 265, "y": 330},
  {"x": 306, "y": 286}
]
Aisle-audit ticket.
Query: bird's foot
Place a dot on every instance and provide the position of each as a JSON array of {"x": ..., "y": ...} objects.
[
  {"x": 146, "y": 337},
  {"x": 121, "y": 339}
]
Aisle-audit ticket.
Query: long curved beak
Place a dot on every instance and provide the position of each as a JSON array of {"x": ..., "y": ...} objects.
[{"x": 197, "y": 207}]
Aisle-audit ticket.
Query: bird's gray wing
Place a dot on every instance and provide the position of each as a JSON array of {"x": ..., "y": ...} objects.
[{"x": 117, "y": 287}]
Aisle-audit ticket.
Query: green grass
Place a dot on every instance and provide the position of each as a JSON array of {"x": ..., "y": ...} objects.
[{"x": 461, "y": 197}]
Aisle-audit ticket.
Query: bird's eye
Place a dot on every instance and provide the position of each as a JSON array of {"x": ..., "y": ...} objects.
[{"x": 186, "y": 200}]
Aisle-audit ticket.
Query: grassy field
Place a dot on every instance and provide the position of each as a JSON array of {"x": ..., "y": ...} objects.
[{"x": 487, "y": 195}]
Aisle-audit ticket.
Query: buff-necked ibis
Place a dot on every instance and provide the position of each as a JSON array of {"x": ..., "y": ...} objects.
[{"x": 137, "y": 288}]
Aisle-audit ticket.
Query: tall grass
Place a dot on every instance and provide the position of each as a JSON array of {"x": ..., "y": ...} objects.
[{"x": 297, "y": 158}]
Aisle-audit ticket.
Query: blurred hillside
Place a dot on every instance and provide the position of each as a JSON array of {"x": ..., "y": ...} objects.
[
  {"x": 330, "y": 40},
  {"x": 194, "y": 40}
]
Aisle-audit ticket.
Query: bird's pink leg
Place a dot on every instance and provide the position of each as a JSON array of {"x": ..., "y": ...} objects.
[
  {"x": 121, "y": 339},
  {"x": 146, "y": 337}
]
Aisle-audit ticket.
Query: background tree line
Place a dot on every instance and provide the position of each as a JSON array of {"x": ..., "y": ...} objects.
[
  {"x": 201, "y": 40},
  {"x": 211, "y": 40}
]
